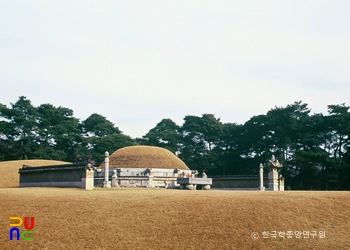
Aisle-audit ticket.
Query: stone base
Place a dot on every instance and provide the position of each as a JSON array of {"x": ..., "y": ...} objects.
[
  {"x": 53, "y": 184},
  {"x": 106, "y": 184},
  {"x": 150, "y": 182},
  {"x": 114, "y": 182},
  {"x": 206, "y": 187}
]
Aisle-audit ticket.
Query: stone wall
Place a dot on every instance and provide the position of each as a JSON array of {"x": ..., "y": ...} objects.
[
  {"x": 238, "y": 182},
  {"x": 67, "y": 175},
  {"x": 82, "y": 176}
]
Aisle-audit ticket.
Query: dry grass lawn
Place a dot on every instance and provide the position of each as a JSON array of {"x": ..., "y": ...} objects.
[{"x": 69, "y": 218}]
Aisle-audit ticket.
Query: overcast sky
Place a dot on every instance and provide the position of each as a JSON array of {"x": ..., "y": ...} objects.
[{"x": 137, "y": 62}]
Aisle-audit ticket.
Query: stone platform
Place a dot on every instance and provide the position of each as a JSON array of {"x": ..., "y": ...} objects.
[{"x": 191, "y": 183}]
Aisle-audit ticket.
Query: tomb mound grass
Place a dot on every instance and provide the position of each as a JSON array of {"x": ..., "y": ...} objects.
[{"x": 145, "y": 157}]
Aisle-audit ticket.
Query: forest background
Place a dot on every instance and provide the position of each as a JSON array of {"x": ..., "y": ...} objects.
[{"x": 313, "y": 148}]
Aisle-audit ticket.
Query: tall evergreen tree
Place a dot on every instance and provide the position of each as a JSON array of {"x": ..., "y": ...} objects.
[
  {"x": 101, "y": 135},
  {"x": 165, "y": 134},
  {"x": 21, "y": 127},
  {"x": 201, "y": 135}
]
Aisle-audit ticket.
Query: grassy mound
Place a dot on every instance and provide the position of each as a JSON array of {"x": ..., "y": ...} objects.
[
  {"x": 67, "y": 218},
  {"x": 9, "y": 170},
  {"x": 144, "y": 157}
]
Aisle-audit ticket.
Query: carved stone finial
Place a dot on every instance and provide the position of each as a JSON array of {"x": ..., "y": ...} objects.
[
  {"x": 273, "y": 158},
  {"x": 89, "y": 167},
  {"x": 274, "y": 163}
]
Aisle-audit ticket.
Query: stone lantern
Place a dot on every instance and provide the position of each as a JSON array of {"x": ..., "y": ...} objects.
[{"x": 273, "y": 165}]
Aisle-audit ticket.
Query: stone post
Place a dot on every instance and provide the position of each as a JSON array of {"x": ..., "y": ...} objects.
[
  {"x": 106, "y": 183},
  {"x": 150, "y": 178},
  {"x": 261, "y": 188},
  {"x": 115, "y": 179},
  {"x": 281, "y": 183},
  {"x": 88, "y": 181}
]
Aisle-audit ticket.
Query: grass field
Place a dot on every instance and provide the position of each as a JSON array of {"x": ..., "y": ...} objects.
[{"x": 125, "y": 218}]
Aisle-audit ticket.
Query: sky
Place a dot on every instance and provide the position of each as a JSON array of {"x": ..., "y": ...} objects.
[{"x": 137, "y": 62}]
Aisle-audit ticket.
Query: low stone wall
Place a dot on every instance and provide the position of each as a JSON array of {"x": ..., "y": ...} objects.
[
  {"x": 238, "y": 182},
  {"x": 138, "y": 181},
  {"x": 67, "y": 175},
  {"x": 142, "y": 177}
]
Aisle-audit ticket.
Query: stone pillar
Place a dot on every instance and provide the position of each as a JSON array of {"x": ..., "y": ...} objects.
[
  {"x": 261, "y": 188},
  {"x": 115, "y": 179},
  {"x": 150, "y": 179},
  {"x": 106, "y": 183},
  {"x": 88, "y": 182},
  {"x": 273, "y": 179},
  {"x": 281, "y": 183}
]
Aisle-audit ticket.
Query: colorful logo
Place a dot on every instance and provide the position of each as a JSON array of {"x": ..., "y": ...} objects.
[{"x": 24, "y": 235}]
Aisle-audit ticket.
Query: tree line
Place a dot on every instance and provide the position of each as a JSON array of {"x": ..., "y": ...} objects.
[{"x": 313, "y": 148}]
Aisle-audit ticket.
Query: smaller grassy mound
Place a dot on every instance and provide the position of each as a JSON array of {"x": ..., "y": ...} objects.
[
  {"x": 144, "y": 157},
  {"x": 9, "y": 170}
]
